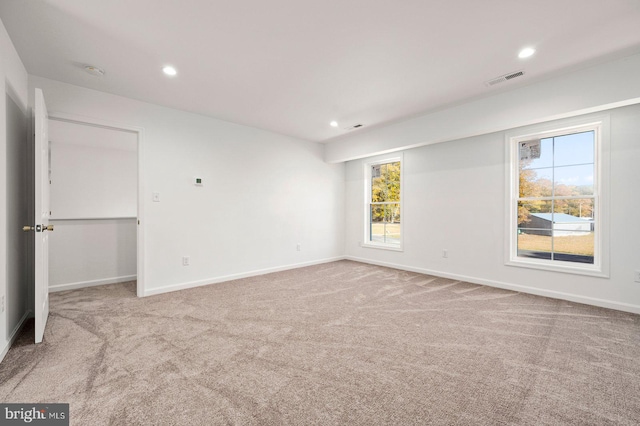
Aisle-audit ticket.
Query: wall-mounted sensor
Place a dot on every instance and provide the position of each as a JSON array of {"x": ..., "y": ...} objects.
[{"x": 197, "y": 181}]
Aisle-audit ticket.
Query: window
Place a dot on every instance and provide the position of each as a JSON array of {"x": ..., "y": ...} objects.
[
  {"x": 383, "y": 219},
  {"x": 555, "y": 206}
]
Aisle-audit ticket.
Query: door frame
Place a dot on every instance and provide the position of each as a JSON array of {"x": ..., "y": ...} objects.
[{"x": 139, "y": 131}]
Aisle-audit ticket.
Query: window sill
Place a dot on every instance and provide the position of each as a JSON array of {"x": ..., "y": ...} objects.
[
  {"x": 557, "y": 266},
  {"x": 382, "y": 246}
]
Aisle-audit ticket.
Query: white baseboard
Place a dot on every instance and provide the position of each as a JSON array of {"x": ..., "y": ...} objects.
[
  {"x": 82, "y": 284},
  {"x": 620, "y": 306},
  {"x": 217, "y": 280},
  {"x": 14, "y": 335}
]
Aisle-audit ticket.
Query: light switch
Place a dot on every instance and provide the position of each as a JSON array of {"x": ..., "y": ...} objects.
[{"x": 156, "y": 197}]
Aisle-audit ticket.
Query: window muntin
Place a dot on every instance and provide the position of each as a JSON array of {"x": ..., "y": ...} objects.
[
  {"x": 383, "y": 210},
  {"x": 555, "y": 202}
]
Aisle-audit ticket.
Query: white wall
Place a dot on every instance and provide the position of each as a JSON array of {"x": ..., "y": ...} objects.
[
  {"x": 94, "y": 172},
  {"x": 263, "y": 193},
  {"x": 14, "y": 264},
  {"x": 454, "y": 199},
  {"x": 83, "y": 253}
]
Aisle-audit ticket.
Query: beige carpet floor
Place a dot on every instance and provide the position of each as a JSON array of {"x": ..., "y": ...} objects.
[{"x": 339, "y": 343}]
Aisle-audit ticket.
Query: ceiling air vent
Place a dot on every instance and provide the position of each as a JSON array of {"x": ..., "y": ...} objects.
[
  {"x": 504, "y": 78},
  {"x": 355, "y": 126}
]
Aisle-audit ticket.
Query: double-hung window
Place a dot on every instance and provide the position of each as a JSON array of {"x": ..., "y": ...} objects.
[
  {"x": 555, "y": 206},
  {"x": 383, "y": 211}
]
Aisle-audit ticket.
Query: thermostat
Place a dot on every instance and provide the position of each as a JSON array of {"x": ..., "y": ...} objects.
[{"x": 197, "y": 181}]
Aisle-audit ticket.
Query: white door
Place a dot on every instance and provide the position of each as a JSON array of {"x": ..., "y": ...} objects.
[{"x": 41, "y": 227}]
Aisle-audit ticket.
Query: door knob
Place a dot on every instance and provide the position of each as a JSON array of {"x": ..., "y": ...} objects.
[{"x": 38, "y": 228}]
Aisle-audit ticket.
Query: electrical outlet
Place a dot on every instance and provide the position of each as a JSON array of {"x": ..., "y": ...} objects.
[
  {"x": 636, "y": 277},
  {"x": 2, "y": 303},
  {"x": 298, "y": 247},
  {"x": 445, "y": 253},
  {"x": 185, "y": 260}
]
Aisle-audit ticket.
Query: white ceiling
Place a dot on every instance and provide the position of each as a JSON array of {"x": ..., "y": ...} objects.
[{"x": 292, "y": 66}]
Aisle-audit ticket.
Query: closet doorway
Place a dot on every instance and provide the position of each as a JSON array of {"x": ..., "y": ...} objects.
[{"x": 95, "y": 208}]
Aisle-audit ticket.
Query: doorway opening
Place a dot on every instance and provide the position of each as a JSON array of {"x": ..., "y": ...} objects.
[{"x": 95, "y": 204}]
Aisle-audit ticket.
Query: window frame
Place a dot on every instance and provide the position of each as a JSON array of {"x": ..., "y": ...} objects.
[
  {"x": 367, "y": 204},
  {"x": 600, "y": 125}
]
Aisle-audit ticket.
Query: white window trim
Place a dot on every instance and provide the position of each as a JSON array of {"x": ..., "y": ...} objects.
[
  {"x": 367, "y": 204},
  {"x": 601, "y": 125}
]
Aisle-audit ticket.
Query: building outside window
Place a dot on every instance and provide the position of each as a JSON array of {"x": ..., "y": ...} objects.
[{"x": 555, "y": 207}]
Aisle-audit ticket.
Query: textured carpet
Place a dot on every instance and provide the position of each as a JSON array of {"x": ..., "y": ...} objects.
[{"x": 339, "y": 343}]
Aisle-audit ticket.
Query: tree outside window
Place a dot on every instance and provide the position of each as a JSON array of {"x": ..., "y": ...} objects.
[{"x": 384, "y": 207}]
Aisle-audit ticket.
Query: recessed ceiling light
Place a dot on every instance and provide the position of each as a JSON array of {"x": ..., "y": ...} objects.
[
  {"x": 95, "y": 71},
  {"x": 333, "y": 124},
  {"x": 169, "y": 70},
  {"x": 526, "y": 52}
]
